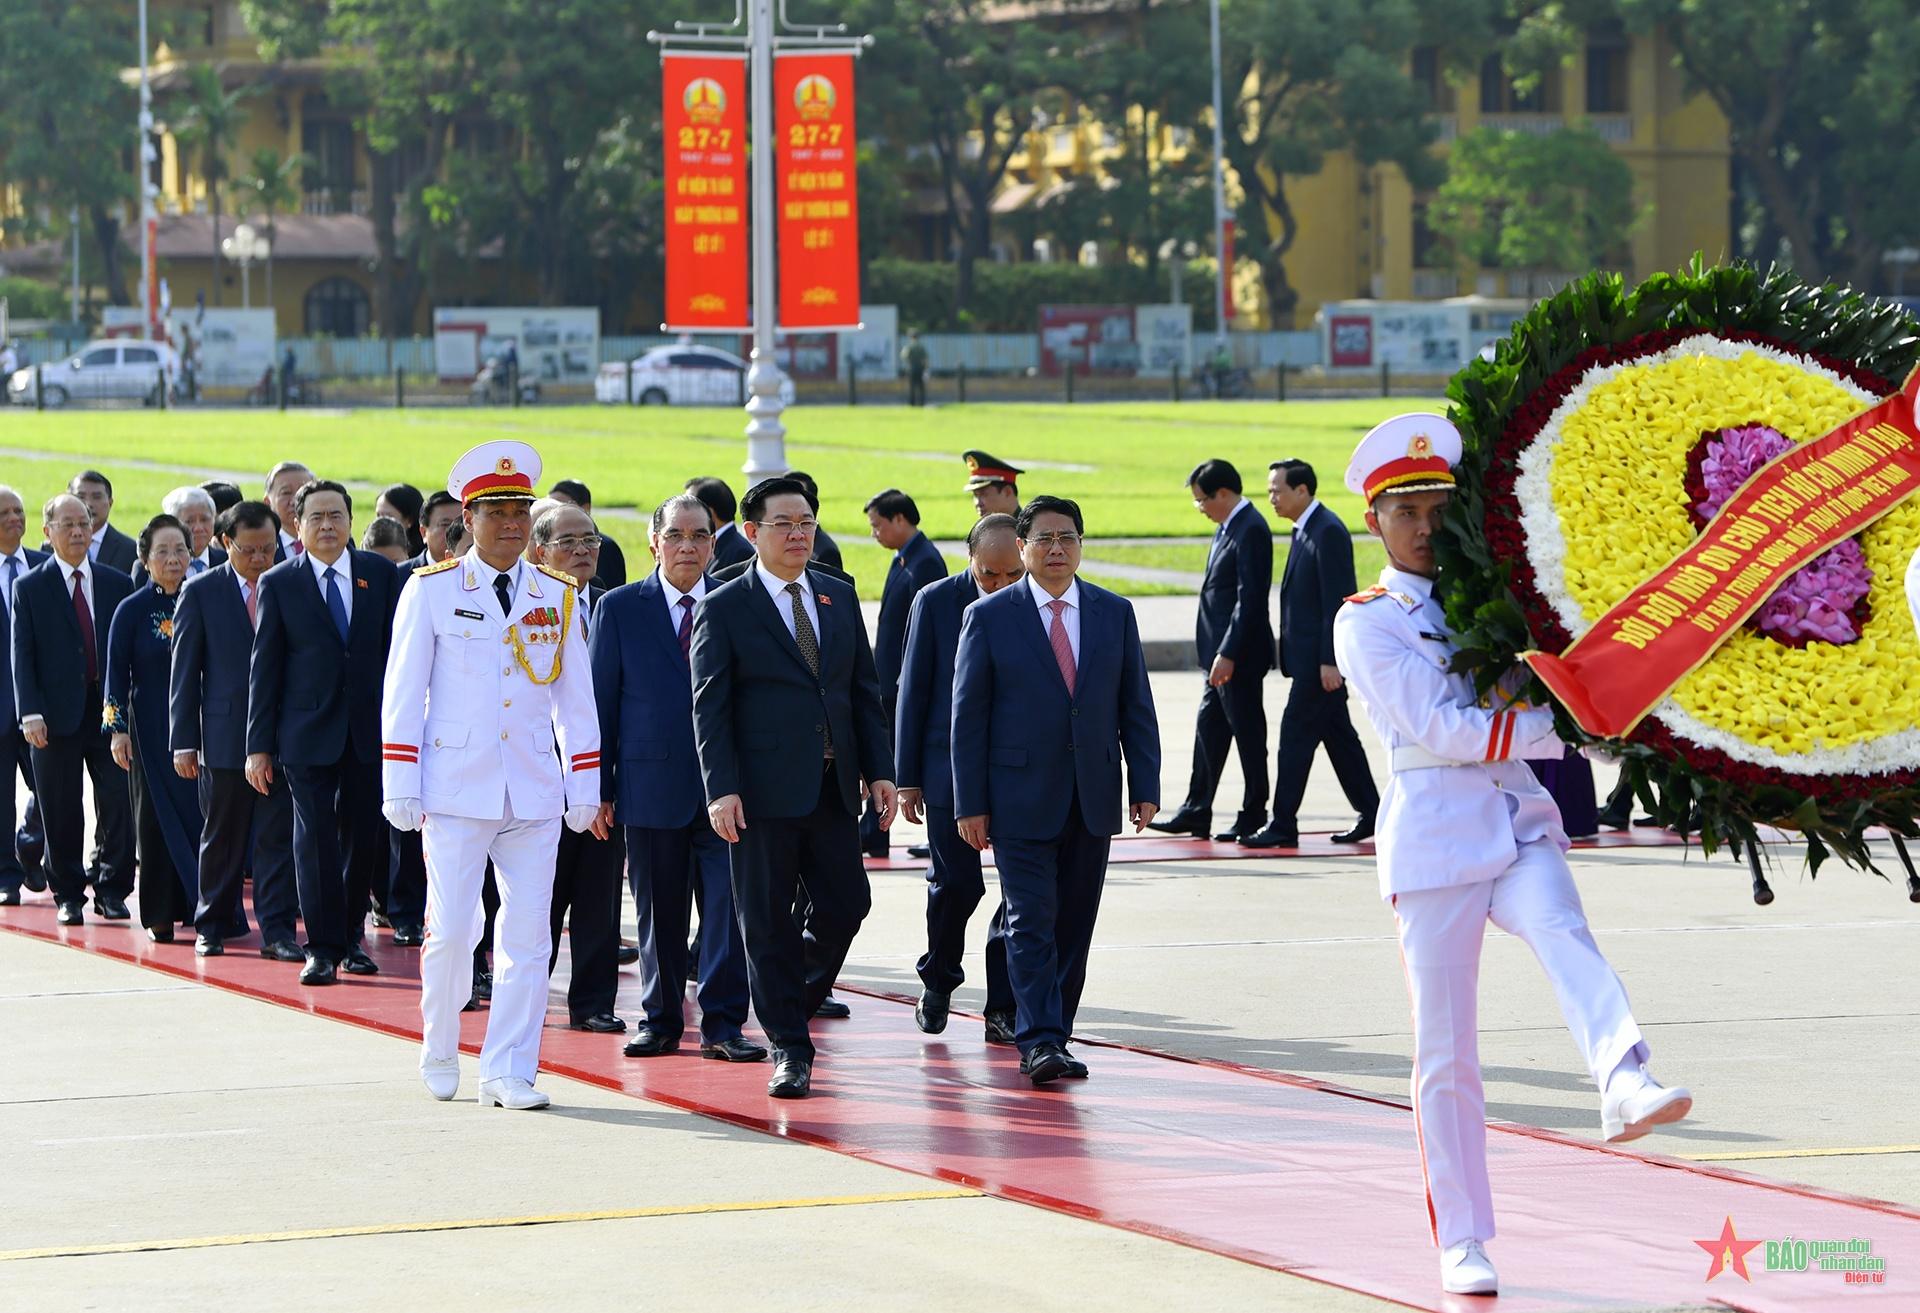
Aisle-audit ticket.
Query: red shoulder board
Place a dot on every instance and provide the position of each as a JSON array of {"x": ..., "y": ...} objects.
[{"x": 1367, "y": 595}]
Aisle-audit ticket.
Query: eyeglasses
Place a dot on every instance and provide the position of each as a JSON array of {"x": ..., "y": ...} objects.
[
  {"x": 585, "y": 542},
  {"x": 675, "y": 538},
  {"x": 791, "y": 528},
  {"x": 1049, "y": 540}
]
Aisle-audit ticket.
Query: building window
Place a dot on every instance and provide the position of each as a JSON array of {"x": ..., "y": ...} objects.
[
  {"x": 1427, "y": 252},
  {"x": 1430, "y": 76},
  {"x": 1607, "y": 75},
  {"x": 329, "y": 144},
  {"x": 1498, "y": 95},
  {"x": 337, "y": 307}
]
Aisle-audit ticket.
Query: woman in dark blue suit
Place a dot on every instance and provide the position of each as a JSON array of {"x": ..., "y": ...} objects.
[{"x": 166, "y": 807}]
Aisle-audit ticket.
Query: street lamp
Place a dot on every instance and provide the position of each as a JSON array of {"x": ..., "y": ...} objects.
[{"x": 243, "y": 248}]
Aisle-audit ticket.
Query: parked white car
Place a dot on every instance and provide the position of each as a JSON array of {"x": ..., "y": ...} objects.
[
  {"x": 110, "y": 370},
  {"x": 680, "y": 375}
]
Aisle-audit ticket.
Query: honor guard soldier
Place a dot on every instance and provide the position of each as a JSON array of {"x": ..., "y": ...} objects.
[
  {"x": 491, "y": 739},
  {"x": 1467, "y": 835},
  {"x": 991, "y": 481}
]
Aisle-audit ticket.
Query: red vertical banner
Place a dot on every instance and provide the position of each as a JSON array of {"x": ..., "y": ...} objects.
[
  {"x": 705, "y": 125},
  {"x": 1226, "y": 266},
  {"x": 819, "y": 214}
]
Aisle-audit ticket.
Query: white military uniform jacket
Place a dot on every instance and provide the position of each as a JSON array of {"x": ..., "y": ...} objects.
[
  {"x": 464, "y": 726},
  {"x": 1460, "y": 800}
]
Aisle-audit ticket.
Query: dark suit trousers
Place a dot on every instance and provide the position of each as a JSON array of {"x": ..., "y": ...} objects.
[
  {"x": 57, "y": 770},
  {"x": 1234, "y": 713},
  {"x": 584, "y": 871},
  {"x": 14, "y": 754},
  {"x": 339, "y": 836},
  {"x": 662, "y": 865},
  {"x": 1052, "y": 892},
  {"x": 403, "y": 897},
  {"x": 237, "y": 817},
  {"x": 954, "y": 888},
  {"x": 791, "y": 971},
  {"x": 163, "y": 898},
  {"x": 873, "y": 839},
  {"x": 1314, "y": 717}
]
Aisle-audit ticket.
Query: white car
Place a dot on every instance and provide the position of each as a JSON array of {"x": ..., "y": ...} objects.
[
  {"x": 111, "y": 370},
  {"x": 681, "y": 375}
]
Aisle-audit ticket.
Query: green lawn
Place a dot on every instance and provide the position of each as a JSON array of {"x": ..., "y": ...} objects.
[{"x": 1369, "y": 558}]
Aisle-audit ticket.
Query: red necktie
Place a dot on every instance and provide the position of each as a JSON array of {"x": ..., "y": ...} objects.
[
  {"x": 1062, "y": 648},
  {"x": 686, "y": 628},
  {"x": 297, "y": 548},
  {"x": 253, "y": 605},
  {"x": 85, "y": 617}
]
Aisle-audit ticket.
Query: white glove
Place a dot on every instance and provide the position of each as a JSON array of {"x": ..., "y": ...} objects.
[
  {"x": 580, "y": 819},
  {"x": 402, "y": 813}
]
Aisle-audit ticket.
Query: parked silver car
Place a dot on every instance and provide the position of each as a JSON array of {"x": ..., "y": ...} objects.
[{"x": 106, "y": 370}]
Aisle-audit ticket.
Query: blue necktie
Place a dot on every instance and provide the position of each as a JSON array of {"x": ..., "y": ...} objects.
[
  {"x": 196, "y": 565},
  {"x": 336, "y": 604},
  {"x": 13, "y": 579}
]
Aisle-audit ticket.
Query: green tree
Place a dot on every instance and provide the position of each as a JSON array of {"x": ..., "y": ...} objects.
[
  {"x": 209, "y": 123},
  {"x": 274, "y": 186},
  {"x": 1517, "y": 200},
  {"x": 67, "y": 121},
  {"x": 1822, "y": 98}
]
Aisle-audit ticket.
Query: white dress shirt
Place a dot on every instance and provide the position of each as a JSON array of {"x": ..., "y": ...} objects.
[
  {"x": 1220, "y": 534},
  {"x": 93, "y": 553},
  {"x": 9, "y": 575},
  {"x": 1069, "y": 617},
  {"x": 343, "y": 573},
  {"x": 291, "y": 545},
  {"x": 1306, "y": 515},
  {"x": 777, "y": 589},
  {"x": 698, "y": 594}
]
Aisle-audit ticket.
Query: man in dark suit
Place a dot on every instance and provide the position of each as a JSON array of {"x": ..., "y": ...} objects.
[
  {"x": 729, "y": 544},
  {"x": 650, "y": 777},
  {"x": 1049, "y": 693},
  {"x": 825, "y": 550},
  {"x": 207, "y": 711},
  {"x": 439, "y": 512},
  {"x": 313, "y": 707},
  {"x": 895, "y": 523},
  {"x": 789, "y": 725},
  {"x": 613, "y": 562},
  {"x": 586, "y": 869},
  {"x": 1318, "y": 578},
  {"x": 1234, "y": 641},
  {"x": 61, "y": 612},
  {"x": 284, "y": 482},
  {"x": 922, "y": 743},
  {"x": 108, "y": 547},
  {"x": 15, "y": 561},
  {"x": 193, "y": 507}
]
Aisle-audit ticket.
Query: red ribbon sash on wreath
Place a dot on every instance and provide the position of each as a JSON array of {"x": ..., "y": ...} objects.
[{"x": 1791, "y": 510}]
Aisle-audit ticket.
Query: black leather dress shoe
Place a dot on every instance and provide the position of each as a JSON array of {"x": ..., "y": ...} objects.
[
  {"x": 648, "y": 1042},
  {"x": 600, "y": 1023},
  {"x": 318, "y": 971},
  {"x": 282, "y": 950},
  {"x": 357, "y": 963},
  {"x": 832, "y": 1009},
  {"x": 1617, "y": 818},
  {"x": 1076, "y": 1069},
  {"x": 408, "y": 936},
  {"x": 380, "y": 921},
  {"x": 1046, "y": 1063},
  {"x": 9, "y": 898},
  {"x": 35, "y": 876},
  {"x": 208, "y": 946},
  {"x": 1000, "y": 1027},
  {"x": 114, "y": 909},
  {"x": 628, "y": 954},
  {"x": 1271, "y": 837},
  {"x": 1361, "y": 832},
  {"x": 70, "y": 913},
  {"x": 1244, "y": 823},
  {"x": 792, "y": 1079},
  {"x": 160, "y": 934},
  {"x": 919, "y": 851},
  {"x": 482, "y": 985},
  {"x": 1193, "y": 824},
  {"x": 930, "y": 1013},
  {"x": 880, "y": 849},
  {"x": 737, "y": 1049}
]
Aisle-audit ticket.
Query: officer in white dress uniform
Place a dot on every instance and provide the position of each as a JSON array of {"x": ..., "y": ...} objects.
[
  {"x": 1467, "y": 835},
  {"x": 491, "y": 737}
]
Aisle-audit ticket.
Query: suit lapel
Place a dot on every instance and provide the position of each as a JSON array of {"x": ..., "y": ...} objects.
[
  {"x": 763, "y": 606},
  {"x": 358, "y": 606},
  {"x": 1040, "y": 639}
]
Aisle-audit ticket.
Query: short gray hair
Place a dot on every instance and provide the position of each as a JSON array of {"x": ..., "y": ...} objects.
[
  {"x": 284, "y": 467},
  {"x": 680, "y": 501},
  {"x": 180, "y": 498},
  {"x": 548, "y": 524}
]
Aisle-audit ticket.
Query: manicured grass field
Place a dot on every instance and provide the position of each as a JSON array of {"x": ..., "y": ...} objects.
[{"x": 1369, "y": 558}]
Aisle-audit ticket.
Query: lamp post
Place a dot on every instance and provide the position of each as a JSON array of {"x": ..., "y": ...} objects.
[
  {"x": 243, "y": 248},
  {"x": 143, "y": 159},
  {"x": 1219, "y": 187}
]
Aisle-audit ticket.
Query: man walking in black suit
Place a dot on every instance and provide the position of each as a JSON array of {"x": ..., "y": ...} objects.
[
  {"x": 789, "y": 726},
  {"x": 15, "y": 561},
  {"x": 61, "y": 611},
  {"x": 1318, "y": 578},
  {"x": 729, "y": 544},
  {"x": 612, "y": 567},
  {"x": 895, "y": 523},
  {"x": 108, "y": 547},
  {"x": 1234, "y": 641},
  {"x": 313, "y": 707},
  {"x": 922, "y": 739},
  {"x": 213, "y": 629}
]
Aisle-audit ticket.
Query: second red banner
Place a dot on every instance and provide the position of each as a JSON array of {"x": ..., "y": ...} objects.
[{"x": 819, "y": 216}]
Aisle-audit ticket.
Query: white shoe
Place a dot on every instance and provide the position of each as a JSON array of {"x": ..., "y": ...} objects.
[
  {"x": 511, "y": 1092},
  {"x": 1466, "y": 1270},
  {"x": 1635, "y": 1103},
  {"x": 441, "y": 1076}
]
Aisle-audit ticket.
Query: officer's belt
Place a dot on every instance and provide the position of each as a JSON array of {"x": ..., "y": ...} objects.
[{"x": 1412, "y": 756}]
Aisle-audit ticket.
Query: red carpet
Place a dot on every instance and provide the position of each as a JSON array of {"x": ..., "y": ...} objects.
[{"x": 1276, "y": 1170}]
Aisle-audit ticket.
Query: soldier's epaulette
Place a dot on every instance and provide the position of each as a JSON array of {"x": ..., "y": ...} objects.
[
  {"x": 1368, "y": 595},
  {"x": 561, "y": 575},
  {"x": 438, "y": 566}
]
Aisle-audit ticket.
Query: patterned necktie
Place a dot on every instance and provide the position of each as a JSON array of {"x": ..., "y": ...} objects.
[
  {"x": 336, "y": 605},
  {"x": 87, "y": 639},
  {"x": 803, "y": 631},
  {"x": 686, "y": 628},
  {"x": 1062, "y": 648},
  {"x": 252, "y": 592},
  {"x": 503, "y": 589}
]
